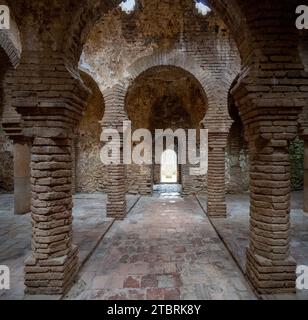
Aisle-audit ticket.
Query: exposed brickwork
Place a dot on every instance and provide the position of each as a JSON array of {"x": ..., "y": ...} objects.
[
  {"x": 192, "y": 184},
  {"x": 10, "y": 49},
  {"x": 306, "y": 177},
  {"x": 271, "y": 92},
  {"x": 216, "y": 174},
  {"x": 10, "y": 41},
  {"x": 6, "y": 168},
  {"x": 270, "y": 95},
  {"x": 269, "y": 266},
  {"x": 116, "y": 173},
  {"x": 53, "y": 262},
  {"x": 50, "y": 101}
]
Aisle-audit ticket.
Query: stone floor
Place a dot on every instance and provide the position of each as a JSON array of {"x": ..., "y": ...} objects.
[
  {"x": 235, "y": 232},
  {"x": 90, "y": 225},
  {"x": 167, "y": 188},
  {"x": 165, "y": 249}
]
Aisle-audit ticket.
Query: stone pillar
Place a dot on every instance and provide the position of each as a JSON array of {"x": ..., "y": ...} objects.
[
  {"x": 53, "y": 262},
  {"x": 22, "y": 189},
  {"x": 269, "y": 265},
  {"x": 306, "y": 177},
  {"x": 216, "y": 187}
]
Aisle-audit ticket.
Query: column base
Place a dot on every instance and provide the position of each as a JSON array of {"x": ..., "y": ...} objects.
[
  {"x": 51, "y": 276},
  {"x": 271, "y": 276}
]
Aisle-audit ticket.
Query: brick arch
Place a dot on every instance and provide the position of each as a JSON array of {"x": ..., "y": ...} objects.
[
  {"x": 174, "y": 59},
  {"x": 115, "y": 96},
  {"x": 85, "y": 17},
  {"x": 10, "y": 43},
  {"x": 232, "y": 14},
  {"x": 215, "y": 91},
  {"x": 10, "y": 53}
]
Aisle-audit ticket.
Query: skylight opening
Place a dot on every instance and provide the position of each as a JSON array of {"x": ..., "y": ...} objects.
[
  {"x": 202, "y": 7},
  {"x": 128, "y": 6}
]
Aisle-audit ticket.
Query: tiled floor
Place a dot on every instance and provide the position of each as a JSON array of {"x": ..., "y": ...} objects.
[
  {"x": 165, "y": 249},
  {"x": 89, "y": 226},
  {"x": 235, "y": 232}
]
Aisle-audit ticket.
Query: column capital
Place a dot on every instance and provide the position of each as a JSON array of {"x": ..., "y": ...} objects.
[
  {"x": 220, "y": 124},
  {"x": 47, "y": 94}
]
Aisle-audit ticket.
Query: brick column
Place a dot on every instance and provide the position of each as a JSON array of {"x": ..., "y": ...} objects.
[
  {"x": 216, "y": 185},
  {"x": 113, "y": 118},
  {"x": 50, "y": 101},
  {"x": 53, "y": 262},
  {"x": 116, "y": 192},
  {"x": 22, "y": 189},
  {"x": 271, "y": 123},
  {"x": 269, "y": 265},
  {"x": 306, "y": 176}
]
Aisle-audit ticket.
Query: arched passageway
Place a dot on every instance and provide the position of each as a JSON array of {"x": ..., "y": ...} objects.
[
  {"x": 165, "y": 98},
  {"x": 233, "y": 41}
]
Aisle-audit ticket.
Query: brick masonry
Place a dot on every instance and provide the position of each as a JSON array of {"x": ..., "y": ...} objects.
[{"x": 247, "y": 45}]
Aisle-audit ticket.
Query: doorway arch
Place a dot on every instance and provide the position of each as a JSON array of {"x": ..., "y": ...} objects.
[{"x": 169, "y": 167}]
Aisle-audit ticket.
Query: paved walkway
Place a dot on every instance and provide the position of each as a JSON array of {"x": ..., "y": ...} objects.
[{"x": 165, "y": 249}]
